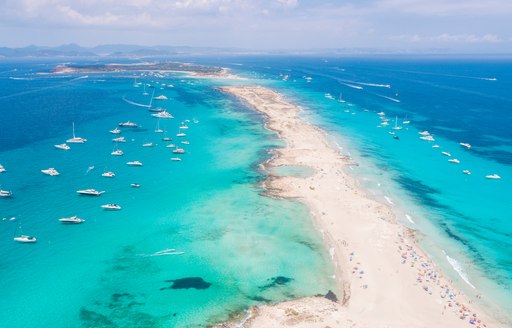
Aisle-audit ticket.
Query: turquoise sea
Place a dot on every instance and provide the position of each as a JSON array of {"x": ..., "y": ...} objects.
[{"x": 197, "y": 241}]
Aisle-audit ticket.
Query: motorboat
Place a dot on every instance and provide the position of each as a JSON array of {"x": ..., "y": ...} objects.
[
  {"x": 436, "y": 146},
  {"x": 117, "y": 152},
  {"x": 2, "y": 168},
  {"x": 161, "y": 97},
  {"x": 128, "y": 124},
  {"x": 465, "y": 145},
  {"x": 454, "y": 160},
  {"x": 148, "y": 144},
  {"x": 134, "y": 163},
  {"x": 108, "y": 174},
  {"x": 135, "y": 185},
  {"x": 72, "y": 219},
  {"x": 119, "y": 139},
  {"x": 493, "y": 176},
  {"x": 51, "y": 171},
  {"x": 183, "y": 127},
  {"x": 5, "y": 193},
  {"x": 176, "y": 159},
  {"x": 163, "y": 114},
  {"x": 25, "y": 239},
  {"x": 171, "y": 146},
  {"x": 90, "y": 192},
  {"x": 167, "y": 139},
  {"x": 112, "y": 207},
  {"x": 181, "y": 134},
  {"x": 424, "y": 133},
  {"x": 179, "y": 151},
  {"x": 115, "y": 131},
  {"x": 62, "y": 146},
  {"x": 466, "y": 172},
  {"x": 445, "y": 153},
  {"x": 186, "y": 142}
]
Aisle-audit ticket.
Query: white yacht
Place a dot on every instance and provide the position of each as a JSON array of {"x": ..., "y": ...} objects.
[
  {"x": 62, "y": 146},
  {"x": 424, "y": 133},
  {"x": 5, "y": 193},
  {"x": 186, "y": 142},
  {"x": 167, "y": 139},
  {"x": 454, "y": 160},
  {"x": 465, "y": 145},
  {"x": 163, "y": 114},
  {"x": 51, "y": 171},
  {"x": 493, "y": 176},
  {"x": 25, "y": 239},
  {"x": 148, "y": 144},
  {"x": 117, "y": 152},
  {"x": 2, "y": 168},
  {"x": 466, "y": 172},
  {"x": 72, "y": 219},
  {"x": 445, "y": 153},
  {"x": 134, "y": 163},
  {"x": 119, "y": 139},
  {"x": 76, "y": 139},
  {"x": 135, "y": 185},
  {"x": 183, "y": 127},
  {"x": 436, "y": 146},
  {"x": 179, "y": 151},
  {"x": 176, "y": 159},
  {"x": 161, "y": 97},
  {"x": 171, "y": 146},
  {"x": 428, "y": 138},
  {"x": 115, "y": 131},
  {"x": 90, "y": 192},
  {"x": 181, "y": 134},
  {"x": 112, "y": 207},
  {"x": 108, "y": 174},
  {"x": 128, "y": 124}
]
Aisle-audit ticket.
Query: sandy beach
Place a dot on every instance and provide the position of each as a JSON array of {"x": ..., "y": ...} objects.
[{"x": 384, "y": 279}]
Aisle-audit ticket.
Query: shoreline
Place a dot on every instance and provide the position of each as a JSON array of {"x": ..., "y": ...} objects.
[{"x": 383, "y": 277}]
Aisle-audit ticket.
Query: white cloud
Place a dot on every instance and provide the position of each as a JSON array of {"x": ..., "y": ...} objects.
[{"x": 449, "y": 7}]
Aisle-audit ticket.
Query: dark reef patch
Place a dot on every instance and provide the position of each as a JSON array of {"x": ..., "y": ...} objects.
[
  {"x": 276, "y": 281},
  {"x": 186, "y": 283}
]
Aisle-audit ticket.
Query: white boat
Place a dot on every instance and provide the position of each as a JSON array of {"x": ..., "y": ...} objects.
[
  {"x": 23, "y": 238},
  {"x": 112, "y": 207},
  {"x": 329, "y": 96},
  {"x": 135, "y": 185},
  {"x": 167, "y": 139},
  {"x": 108, "y": 174},
  {"x": 465, "y": 145},
  {"x": 186, "y": 142},
  {"x": 128, "y": 124},
  {"x": 76, "y": 139},
  {"x": 179, "y": 151},
  {"x": 176, "y": 159},
  {"x": 2, "y": 168},
  {"x": 157, "y": 129},
  {"x": 184, "y": 127},
  {"x": 340, "y": 98},
  {"x": 493, "y": 176},
  {"x": 161, "y": 97},
  {"x": 466, "y": 172},
  {"x": 134, "y": 163},
  {"x": 90, "y": 192},
  {"x": 5, "y": 193},
  {"x": 381, "y": 114},
  {"x": 445, "y": 153},
  {"x": 454, "y": 160},
  {"x": 181, "y": 134},
  {"x": 436, "y": 146},
  {"x": 156, "y": 109},
  {"x": 72, "y": 219},
  {"x": 62, "y": 146},
  {"x": 171, "y": 146},
  {"x": 51, "y": 171},
  {"x": 396, "y": 127},
  {"x": 119, "y": 139},
  {"x": 115, "y": 131},
  {"x": 163, "y": 114},
  {"x": 148, "y": 144},
  {"x": 117, "y": 152},
  {"x": 428, "y": 138},
  {"x": 424, "y": 133}
]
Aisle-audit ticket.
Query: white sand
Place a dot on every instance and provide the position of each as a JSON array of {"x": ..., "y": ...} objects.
[{"x": 384, "y": 279}]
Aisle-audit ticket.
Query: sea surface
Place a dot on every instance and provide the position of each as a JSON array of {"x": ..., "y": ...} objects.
[{"x": 198, "y": 241}]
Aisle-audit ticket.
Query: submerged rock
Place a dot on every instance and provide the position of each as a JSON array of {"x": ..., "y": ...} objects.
[
  {"x": 331, "y": 296},
  {"x": 277, "y": 281}
]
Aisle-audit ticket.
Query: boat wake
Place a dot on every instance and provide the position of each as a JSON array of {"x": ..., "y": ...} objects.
[
  {"x": 353, "y": 86},
  {"x": 378, "y": 85},
  {"x": 135, "y": 104},
  {"x": 167, "y": 251},
  {"x": 458, "y": 268},
  {"x": 389, "y": 98}
]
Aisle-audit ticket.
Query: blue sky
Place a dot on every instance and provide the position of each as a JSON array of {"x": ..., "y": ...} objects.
[{"x": 390, "y": 25}]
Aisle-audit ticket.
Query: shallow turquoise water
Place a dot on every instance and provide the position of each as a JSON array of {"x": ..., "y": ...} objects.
[{"x": 204, "y": 214}]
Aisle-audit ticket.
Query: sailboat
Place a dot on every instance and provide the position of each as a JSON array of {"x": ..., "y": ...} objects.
[
  {"x": 157, "y": 129},
  {"x": 340, "y": 98},
  {"x": 396, "y": 127},
  {"x": 76, "y": 139},
  {"x": 145, "y": 93},
  {"x": 23, "y": 238}
]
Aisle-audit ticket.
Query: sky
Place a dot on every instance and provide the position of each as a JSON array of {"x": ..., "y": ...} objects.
[{"x": 473, "y": 26}]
